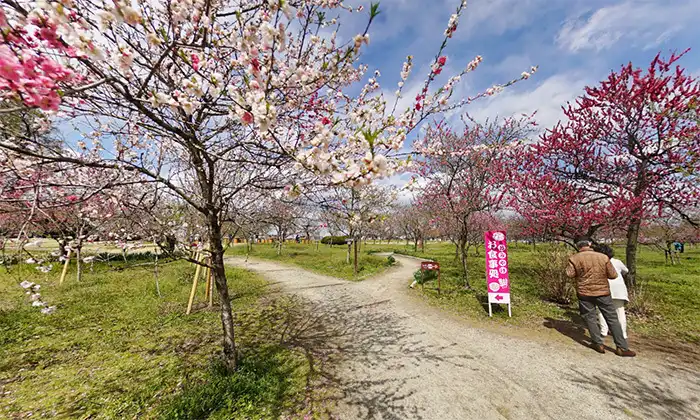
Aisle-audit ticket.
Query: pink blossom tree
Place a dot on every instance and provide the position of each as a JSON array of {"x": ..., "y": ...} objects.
[
  {"x": 465, "y": 173},
  {"x": 627, "y": 152},
  {"x": 213, "y": 99}
]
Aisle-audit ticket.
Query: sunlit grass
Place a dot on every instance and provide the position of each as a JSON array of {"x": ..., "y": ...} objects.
[
  {"x": 674, "y": 290},
  {"x": 322, "y": 259},
  {"x": 114, "y": 349}
]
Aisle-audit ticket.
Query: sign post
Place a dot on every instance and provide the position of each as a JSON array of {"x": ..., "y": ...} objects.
[
  {"x": 429, "y": 266},
  {"x": 497, "y": 277}
]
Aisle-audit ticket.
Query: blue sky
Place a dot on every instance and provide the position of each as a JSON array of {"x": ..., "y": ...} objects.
[{"x": 575, "y": 43}]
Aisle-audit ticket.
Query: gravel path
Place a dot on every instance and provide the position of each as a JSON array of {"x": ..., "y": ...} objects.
[{"x": 401, "y": 359}]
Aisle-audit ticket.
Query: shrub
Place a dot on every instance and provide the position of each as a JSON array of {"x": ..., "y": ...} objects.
[
  {"x": 391, "y": 260},
  {"x": 550, "y": 273},
  {"x": 334, "y": 240},
  {"x": 424, "y": 276},
  {"x": 640, "y": 304}
]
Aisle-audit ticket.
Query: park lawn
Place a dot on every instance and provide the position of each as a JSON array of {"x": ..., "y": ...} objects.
[
  {"x": 323, "y": 259},
  {"x": 114, "y": 349},
  {"x": 672, "y": 293}
]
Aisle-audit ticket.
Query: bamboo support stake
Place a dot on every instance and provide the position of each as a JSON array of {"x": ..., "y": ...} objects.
[
  {"x": 65, "y": 268},
  {"x": 194, "y": 287},
  {"x": 207, "y": 275},
  {"x": 211, "y": 289}
]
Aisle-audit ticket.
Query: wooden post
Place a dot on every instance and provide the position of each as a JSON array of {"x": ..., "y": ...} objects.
[
  {"x": 65, "y": 268},
  {"x": 438, "y": 281},
  {"x": 211, "y": 289},
  {"x": 194, "y": 287},
  {"x": 207, "y": 274}
]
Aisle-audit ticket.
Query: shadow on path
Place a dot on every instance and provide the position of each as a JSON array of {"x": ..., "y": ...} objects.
[
  {"x": 640, "y": 398},
  {"x": 354, "y": 353}
]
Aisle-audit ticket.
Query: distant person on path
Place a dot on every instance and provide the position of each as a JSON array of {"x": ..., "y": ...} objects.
[
  {"x": 618, "y": 291},
  {"x": 592, "y": 271}
]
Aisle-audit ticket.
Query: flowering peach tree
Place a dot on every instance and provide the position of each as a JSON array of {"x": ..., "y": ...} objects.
[
  {"x": 464, "y": 174},
  {"x": 628, "y": 152},
  {"x": 212, "y": 98}
]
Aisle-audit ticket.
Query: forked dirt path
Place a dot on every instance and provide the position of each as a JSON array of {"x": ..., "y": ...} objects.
[{"x": 401, "y": 359}]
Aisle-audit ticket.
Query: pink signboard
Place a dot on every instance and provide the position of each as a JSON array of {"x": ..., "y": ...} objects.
[{"x": 497, "y": 276}]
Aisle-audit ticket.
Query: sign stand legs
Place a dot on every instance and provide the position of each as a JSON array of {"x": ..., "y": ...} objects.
[
  {"x": 509, "y": 314},
  {"x": 491, "y": 313}
]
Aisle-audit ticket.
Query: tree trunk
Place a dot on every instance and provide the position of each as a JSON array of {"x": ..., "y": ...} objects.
[
  {"x": 155, "y": 273},
  {"x": 422, "y": 245},
  {"x": 219, "y": 273},
  {"x": 415, "y": 244},
  {"x": 347, "y": 256},
  {"x": 78, "y": 262},
  {"x": 355, "y": 257},
  {"x": 463, "y": 251},
  {"x": 62, "y": 247},
  {"x": 631, "y": 251}
]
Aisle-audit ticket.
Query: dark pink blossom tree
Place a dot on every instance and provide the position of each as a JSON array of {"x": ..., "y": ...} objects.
[{"x": 627, "y": 152}]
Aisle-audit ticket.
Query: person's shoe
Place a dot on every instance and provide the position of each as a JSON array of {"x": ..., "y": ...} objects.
[
  {"x": 625, "y": 353},
  {"x": 598, "y": 347}
]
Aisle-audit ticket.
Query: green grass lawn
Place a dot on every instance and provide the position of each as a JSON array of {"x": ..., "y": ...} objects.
[
  {"x": 322, "y": 259},
  {"x": 673, "y": 292},
  {"x": 114, "y": 349}
]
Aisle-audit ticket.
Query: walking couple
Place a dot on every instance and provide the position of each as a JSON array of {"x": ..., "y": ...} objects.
[{"x": 592, "y": 269}]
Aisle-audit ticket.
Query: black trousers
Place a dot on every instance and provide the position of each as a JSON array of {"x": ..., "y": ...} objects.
[{"x": 587, "y": 305}]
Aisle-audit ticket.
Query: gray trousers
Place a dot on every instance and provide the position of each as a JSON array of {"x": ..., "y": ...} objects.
[{"x": 587, "y": 305}]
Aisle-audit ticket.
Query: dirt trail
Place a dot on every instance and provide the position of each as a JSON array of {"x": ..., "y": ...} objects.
[{"x": 402, "y": 359}]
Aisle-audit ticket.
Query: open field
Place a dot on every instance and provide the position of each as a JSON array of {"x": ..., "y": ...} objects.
[
  {"x": 672, "y": 292},
  {"x": 323, "y": 259},
  {"x": 114, "y": 349}
]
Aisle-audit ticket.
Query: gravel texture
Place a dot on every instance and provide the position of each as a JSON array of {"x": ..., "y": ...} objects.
[{"x": 398, "y": 358}]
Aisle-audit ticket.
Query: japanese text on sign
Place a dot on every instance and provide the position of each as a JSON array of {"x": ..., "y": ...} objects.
[{"x": 497, "y": 276}]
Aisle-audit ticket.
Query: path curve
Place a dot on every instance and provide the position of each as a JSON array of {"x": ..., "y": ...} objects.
[{"x": 402, "y": 359}]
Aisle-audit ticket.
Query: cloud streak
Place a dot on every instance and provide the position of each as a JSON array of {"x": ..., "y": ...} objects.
[{"x": 641, "y": 23}]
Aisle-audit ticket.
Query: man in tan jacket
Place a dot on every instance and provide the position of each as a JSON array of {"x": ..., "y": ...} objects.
[{"x": 592, "y": 271}]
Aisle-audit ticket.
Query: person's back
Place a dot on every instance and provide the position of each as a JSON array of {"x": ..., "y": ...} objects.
[{"x": 592, "y": 271}]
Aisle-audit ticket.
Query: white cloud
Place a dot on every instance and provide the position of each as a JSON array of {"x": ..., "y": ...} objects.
[
  {"x": 547, "y": 98},
  {"x": 640, "y": 23}
]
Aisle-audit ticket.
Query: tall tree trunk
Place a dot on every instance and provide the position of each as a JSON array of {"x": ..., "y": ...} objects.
[
  {"x": 78, "y": 262},
  {"x": 219, "y": 273},
  {"x": 463, "y": 252},
  {"x": 355, "y": 257},
  {"x": 62, "y": 247},
  {"x": 422, "y": 245},
  {"x": 631, "y": 251},
  {"x": 347, "y": 256},
  {"x": 155, "y": 273},
  {"x": 415, "y": 244}
]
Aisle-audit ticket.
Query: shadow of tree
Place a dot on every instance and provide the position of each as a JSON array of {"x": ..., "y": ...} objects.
[
  {"x": 353, "y": 352},
  {"x": 639, "y": 398}
]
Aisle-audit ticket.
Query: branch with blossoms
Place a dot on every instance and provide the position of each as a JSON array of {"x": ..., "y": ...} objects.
[{"x": 211, "y": 100}]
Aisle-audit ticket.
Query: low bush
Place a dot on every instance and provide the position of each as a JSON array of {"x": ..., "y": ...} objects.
[
  {"x": 391, "y": 260},
  {"x": 640, "y": 305},
  {"x": 550, "y": 274},
  {"x": 334, "y": 240},
  {"x": 424, "y": 276}
]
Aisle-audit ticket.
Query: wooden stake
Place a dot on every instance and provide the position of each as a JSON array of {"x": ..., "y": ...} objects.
[
  {"x": 207, "y": 274},
  {"x": 194, "y": 287},
  {"x": 211, "y": 289},
  {"x": 65, "y": 268}
]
